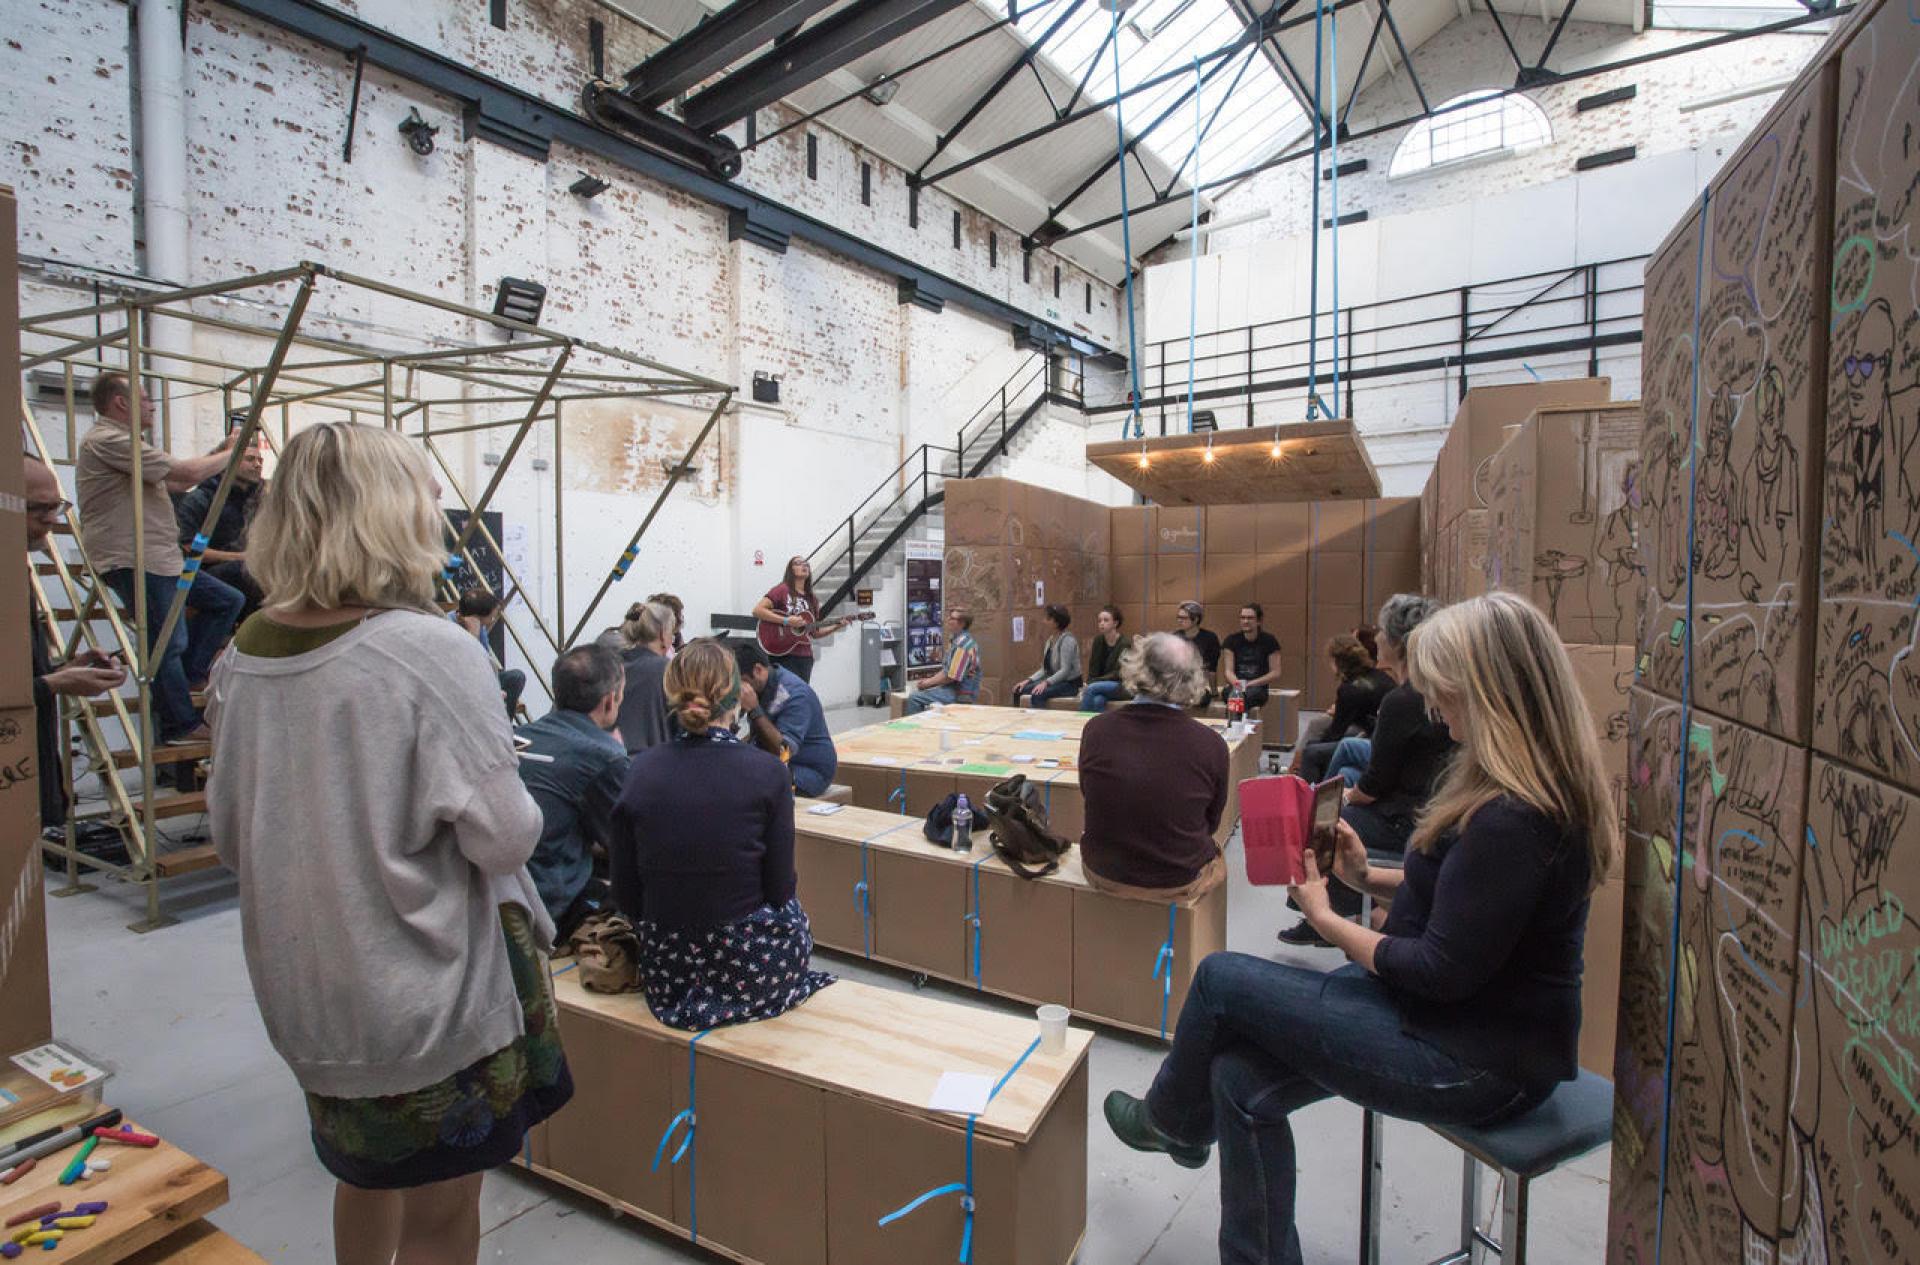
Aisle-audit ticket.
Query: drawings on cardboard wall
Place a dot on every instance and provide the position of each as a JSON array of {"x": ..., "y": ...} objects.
[{"x": 1868, "y": 704}]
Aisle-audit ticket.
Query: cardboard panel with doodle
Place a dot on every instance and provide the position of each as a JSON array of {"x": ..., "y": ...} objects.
[
  {"x": 1759, "y": 427},
  {"x": 1739, "y": 890},
  {"x": 1561, "y": 531},
  {"x": 1666, "y": 419},
  {"x": 1640, "y": 1047},
  {"x": 1856, "y": 1169},
  {"x": 1867, "y": 672}
]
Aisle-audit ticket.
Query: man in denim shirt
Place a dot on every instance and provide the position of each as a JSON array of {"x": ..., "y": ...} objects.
[
  {"x": 786, "y": 719},
  {"x": 574, "y": 766}
]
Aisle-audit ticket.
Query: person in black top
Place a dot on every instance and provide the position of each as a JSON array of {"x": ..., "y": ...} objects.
[
  {"x": 702, "y": 861},
  {"x": 1355, "y": 704},
  {"x": 1187, "y": 622},
  {"x": 85, "y": 675},
  {"x": 225, "y": 558},
  {"x": 1251, "y": 658},
  {"x": 1394, "y": 772},
  {"x": 1466, "y": 1009},
  {"x": 1103, "y": 660}
]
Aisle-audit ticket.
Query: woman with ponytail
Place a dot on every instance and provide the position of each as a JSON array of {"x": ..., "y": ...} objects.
[{"x": 702, "y": 861}]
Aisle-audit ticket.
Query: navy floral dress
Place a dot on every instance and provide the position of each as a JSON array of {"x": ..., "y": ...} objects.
[{"x": 707, "y": 977}]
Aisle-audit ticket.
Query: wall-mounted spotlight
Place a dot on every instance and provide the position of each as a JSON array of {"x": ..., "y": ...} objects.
[
  {"x": 419, "y": 132},
  {"x": 766, "y": 388},
  {"x": 520, "y": 300},
  {"x": 882, "y": 90},
  {"x": 587, "y": 186}
]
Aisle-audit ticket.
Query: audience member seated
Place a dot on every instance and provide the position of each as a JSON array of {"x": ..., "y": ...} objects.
[
  {"x": 1403, "y": 761},
  {"x": 575, "y": 769},
  {"x": 1188, "y": 622},
  {"x": 958, "y": 680},
  {"x": 674, "y": 604},
  {"x": 1250, "y": 659},
  {"x": 1058, "y": 675},
  {"x": 1154, "y": 780},
  {"x": 1356, "y": 701},
  {"x": 1466, "y": 1010},
  {"x": 86, "y": 674},
  {"x": 225, "y": 557},
  {"x": 103, "y": 482},
  {"x": 786, "y": 719},
  {"x": 366, "y": 797},
  {"x": 479, "y": 612},
  {"x": 1103, "y": 661},
  {"x": 702, "y": 861},
  {"x": 647, "y": 635}
]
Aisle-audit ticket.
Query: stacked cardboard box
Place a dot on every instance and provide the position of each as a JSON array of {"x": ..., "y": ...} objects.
[
  {"x": 1774, "y": 825},
  {"x": 26, "y": 1017}
]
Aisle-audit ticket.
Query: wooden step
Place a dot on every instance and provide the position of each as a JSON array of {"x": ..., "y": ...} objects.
[
  {"x": 185, "y": 860},
  {"x": 132, "y": 702},
  {"x": 175, "y": 753},
  {"x": 181, "y": 804}
]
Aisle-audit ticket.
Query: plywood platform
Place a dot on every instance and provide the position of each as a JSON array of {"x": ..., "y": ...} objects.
[
  {"x": 151, "y": 1193},
  {"x": 1302, "y": 461}
]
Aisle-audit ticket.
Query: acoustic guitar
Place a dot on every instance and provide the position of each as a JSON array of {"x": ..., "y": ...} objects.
[{"x": 777, "y": 639}]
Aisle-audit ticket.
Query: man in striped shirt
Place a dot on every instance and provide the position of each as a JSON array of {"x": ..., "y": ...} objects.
[{"x": 958, "y": 680}]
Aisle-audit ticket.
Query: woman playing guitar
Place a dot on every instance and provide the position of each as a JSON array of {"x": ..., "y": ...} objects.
[{"x": 787, "y": 614}]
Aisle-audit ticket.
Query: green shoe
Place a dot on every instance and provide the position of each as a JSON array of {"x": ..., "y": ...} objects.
[{"x": 1127, "y": 1117}]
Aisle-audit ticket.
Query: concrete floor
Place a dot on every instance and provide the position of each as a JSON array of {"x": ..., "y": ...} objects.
[{"x": 173, "y": 1011}]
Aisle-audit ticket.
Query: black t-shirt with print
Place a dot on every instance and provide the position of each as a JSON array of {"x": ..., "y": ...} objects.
[{"x": 1250, "y": 657}]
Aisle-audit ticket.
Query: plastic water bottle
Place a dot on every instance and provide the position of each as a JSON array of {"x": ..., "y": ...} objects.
[{"x": 963, "y": 826}]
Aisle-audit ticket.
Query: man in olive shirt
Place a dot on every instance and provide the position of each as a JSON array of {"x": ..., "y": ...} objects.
[{"x": 103, "y": 482}]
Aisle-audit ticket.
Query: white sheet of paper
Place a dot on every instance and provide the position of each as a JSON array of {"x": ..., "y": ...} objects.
[
  {"x": 961, "y": 1092},
  {"x": 881, "y": 759},
  {"x": 1019, "y": 628}
]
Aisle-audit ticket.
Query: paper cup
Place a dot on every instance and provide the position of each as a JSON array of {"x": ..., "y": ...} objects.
[{"x": 1053, "y": 1029}]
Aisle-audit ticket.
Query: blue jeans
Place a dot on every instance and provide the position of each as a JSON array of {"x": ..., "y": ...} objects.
[
  {"x": 925, "y": 697},
  {"x": 810, "y": 782},
  {"x": 1098, "y": 694},
  {"x": 1350, "y": 759},
  {"x": 1258, "y": 1039},
  {"x": 188, "y": 655},
  {"x": 1041, "y": 691}
]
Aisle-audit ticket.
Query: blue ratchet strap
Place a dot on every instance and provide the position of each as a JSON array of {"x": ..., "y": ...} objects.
[
  {"x": 1163, "y": 967},
  {"x": 899, "y": 794},
  {"x": 863, "y": 890},
  {"x": 692, "y": 1122},
  {"x": 964, "y": 1188},
  {"x": 453, "y": 566},
  {"x": 973, "y": 919}
]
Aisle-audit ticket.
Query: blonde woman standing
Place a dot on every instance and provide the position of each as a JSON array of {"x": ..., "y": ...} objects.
[
  {"x": 365, "y": 792},
  {"x": 1466, "y": 1008}
]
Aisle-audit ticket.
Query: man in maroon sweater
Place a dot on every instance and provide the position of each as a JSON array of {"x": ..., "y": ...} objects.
[{"x": 1154, "y": 778}]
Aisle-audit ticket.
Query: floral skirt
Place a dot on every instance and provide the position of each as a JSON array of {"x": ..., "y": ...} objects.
[
  {"x": 705, "y": 977},
  {"x": 473, "y": 1120}
]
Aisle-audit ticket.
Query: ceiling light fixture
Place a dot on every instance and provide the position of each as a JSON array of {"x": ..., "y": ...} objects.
[{"x": 587, "y": 186}]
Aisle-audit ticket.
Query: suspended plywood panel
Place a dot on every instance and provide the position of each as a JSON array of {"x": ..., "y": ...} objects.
[{"x": 1300, "y": 461}]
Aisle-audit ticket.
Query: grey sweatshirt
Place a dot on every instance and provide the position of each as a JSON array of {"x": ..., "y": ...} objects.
[
  {"x": 367, "y": 795},
  {"x": 1060, "y": 660}
]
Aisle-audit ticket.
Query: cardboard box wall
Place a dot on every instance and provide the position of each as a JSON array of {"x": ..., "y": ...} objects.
[
  {"x": 26, "y": 1006},
  {"x": 16, "y": 680},
  {"x": 1560, "y": 530},
  {"x": 1866, "y": 679},
  {"x": 1754, "y": 421},
  {"x": 1476, "y": 434}
]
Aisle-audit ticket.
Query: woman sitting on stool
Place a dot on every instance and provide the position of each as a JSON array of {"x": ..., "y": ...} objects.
[
  {"x": 1059, "y": 672},
  {"x": 1396, "y": 770},
  {"x": 1355, "y": 704},
  {"x": 1467, "y": 1010},
  {"x": 1103, "y": 661},
  {"x": 702, "y": 861},
  {"x": 1154, "y": 780}
]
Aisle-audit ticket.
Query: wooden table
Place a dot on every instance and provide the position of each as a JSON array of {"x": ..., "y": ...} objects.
[{"x": 151, "y": 1192}]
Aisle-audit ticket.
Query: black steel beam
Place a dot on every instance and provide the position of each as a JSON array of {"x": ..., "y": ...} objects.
[
  {"x": 999, "y": 85},
  {"x": 715, "y": 44},
  {"x": 1406, "y": 56},
  {"x": 813, "y": 54},
  {"x": 1554, "y": 38},
  {"x": 1493, "y": 11},
  {"x": 491, "y": 98},
  {"x": 1360, "y": 75}
]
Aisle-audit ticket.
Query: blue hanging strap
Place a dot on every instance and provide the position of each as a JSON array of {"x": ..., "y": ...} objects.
[
  {"x": 686, "y": 1150},
  {"x": 1686, "y": 731},
  {"x": 863, "y": 890},
  {"x": 1163, "y": 967},
  {"x": 964, "y": 1188},
  {"x": 899, "y": 793},
  {"x": 1126, "y": 233},
  {"x": 972, "y": 919}
]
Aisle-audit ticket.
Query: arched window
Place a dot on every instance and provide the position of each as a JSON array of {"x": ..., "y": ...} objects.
[{"x": 1472, "y": 124}]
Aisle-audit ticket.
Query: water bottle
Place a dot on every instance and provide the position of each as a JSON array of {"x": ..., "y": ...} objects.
[{"x": 962, "y": 825}]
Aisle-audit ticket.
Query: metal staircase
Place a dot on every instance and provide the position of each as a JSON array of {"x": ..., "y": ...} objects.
[{"x": 873, "y": 532}]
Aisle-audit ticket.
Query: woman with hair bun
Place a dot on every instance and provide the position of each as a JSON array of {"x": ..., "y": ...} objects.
[{"x": 702, "y": 861}]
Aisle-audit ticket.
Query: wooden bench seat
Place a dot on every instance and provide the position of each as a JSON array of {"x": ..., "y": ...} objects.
[
  {"x": 201, "y": 1243},
  {"x": 1279, "y": 718},
  {"x": 811, "y": 1127},
  {"x": 1053, "y": 939}
]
